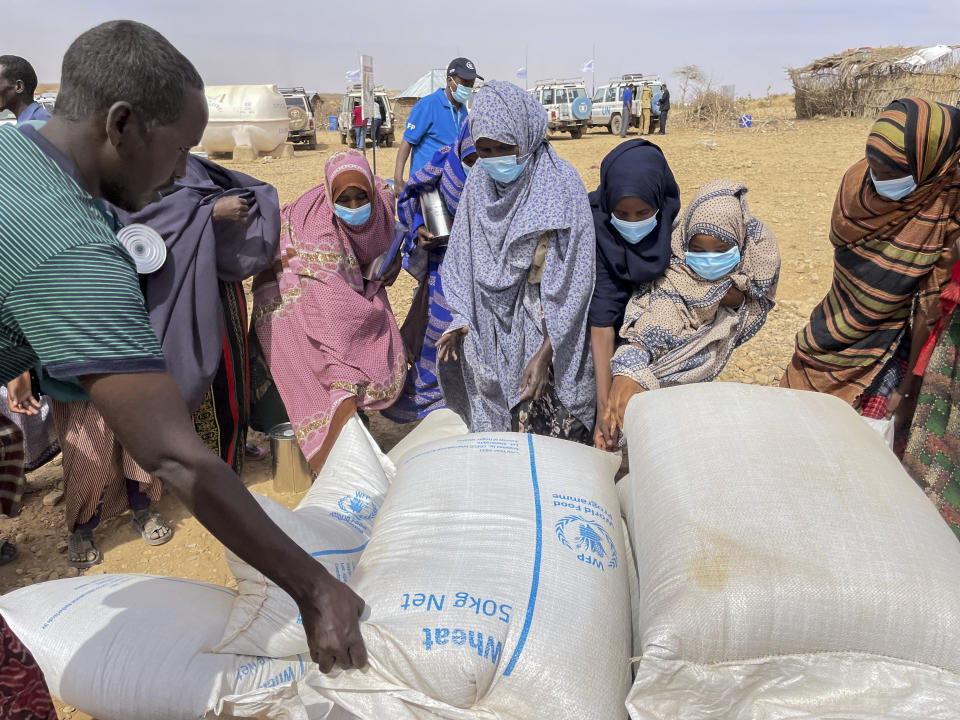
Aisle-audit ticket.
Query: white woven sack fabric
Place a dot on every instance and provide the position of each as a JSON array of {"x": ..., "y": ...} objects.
[
  {"x": 134, "y": 647},
  {"x": 332, "y": 522},
  {"x": 440, "y": 424},
  {"x": 497, "y": 588},
  {"x": 786, "y": 561}
]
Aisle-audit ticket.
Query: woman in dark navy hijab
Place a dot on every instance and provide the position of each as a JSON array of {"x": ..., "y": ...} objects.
[{"x": 633, "y": 212}]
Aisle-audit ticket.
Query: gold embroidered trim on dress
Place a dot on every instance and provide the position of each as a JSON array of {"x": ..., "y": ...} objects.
[{"x": 325, "y": 257}]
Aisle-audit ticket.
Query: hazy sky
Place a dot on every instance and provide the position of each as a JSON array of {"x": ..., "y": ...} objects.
[{"x": 748, "y": 43}]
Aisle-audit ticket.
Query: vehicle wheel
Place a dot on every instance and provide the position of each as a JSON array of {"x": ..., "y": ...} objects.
[
  {"x": 343, "y": 139},
  {"x": 577, "y": 132},
  {"x": 388, "y": 141},
  {"x": 615, "y": 124},
  {"x": 312, "y": 142}
]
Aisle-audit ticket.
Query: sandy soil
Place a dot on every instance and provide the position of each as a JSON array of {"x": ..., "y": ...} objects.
[{"x": 792, "y": 169}]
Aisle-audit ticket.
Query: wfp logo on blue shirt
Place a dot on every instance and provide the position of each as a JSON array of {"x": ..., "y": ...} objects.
[
  {"x": 411, "y": 126},
  {"x": 589, "y": 540}
]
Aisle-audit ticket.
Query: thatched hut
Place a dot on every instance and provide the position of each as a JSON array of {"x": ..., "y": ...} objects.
[{"x": 863, "y": 81}]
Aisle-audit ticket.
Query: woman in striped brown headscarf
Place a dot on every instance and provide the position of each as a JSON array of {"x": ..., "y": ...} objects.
[{"x": 895, "y": 221}]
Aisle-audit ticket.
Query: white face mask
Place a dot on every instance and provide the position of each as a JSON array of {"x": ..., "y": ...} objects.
[{"x": 895, "y": 189}]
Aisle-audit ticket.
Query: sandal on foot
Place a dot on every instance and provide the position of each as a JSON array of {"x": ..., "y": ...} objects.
[
  {"x": 81, "y": 552},
  {"x": 8, "y": 552},
  {"x": 152, "y": 527}
]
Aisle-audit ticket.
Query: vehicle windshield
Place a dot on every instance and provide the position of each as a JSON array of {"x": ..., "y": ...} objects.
[
  {"x": 577, "y": 92},
  {"x": 598, "y": 95},
  {"x": 295, "y": 101}
]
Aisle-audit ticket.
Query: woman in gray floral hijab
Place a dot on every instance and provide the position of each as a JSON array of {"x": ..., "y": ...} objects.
[{"x": 518, "y": 276}]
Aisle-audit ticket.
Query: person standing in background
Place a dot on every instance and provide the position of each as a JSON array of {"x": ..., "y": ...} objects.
[
  {"x": 664, "y": 109},
  {"x": 646, "y": 109},
  {"x": 358, "y": 125},
  {"x": 625, "y": 114},
  {"x": 435, "y": 120},
  {"x": 379, "y": 118},
  {"x": 18, "y": 82}
]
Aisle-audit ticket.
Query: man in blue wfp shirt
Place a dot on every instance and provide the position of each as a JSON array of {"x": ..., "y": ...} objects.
[
  {"x": 18, "y": 82},
  {"x": 435, "y": 120}
]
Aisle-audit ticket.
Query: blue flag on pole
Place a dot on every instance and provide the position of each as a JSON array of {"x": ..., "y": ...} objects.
[
  {"x": 587, "y": 66},
  {"x": 353, "y": 75},
  {"x": 522, "y": 73}
]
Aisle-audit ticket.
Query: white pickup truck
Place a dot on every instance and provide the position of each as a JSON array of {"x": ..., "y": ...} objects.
[
  {"x": 608, "y": 101},
  {"x": 566, "y": 103}
]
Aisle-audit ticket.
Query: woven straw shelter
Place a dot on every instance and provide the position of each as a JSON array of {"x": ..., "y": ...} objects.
[{"x": 862, "y": 82}]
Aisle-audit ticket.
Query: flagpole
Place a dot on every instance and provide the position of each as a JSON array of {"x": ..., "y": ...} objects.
[
  {"x": 593, "y": 57},
  {"x": 526, "y": 66}
]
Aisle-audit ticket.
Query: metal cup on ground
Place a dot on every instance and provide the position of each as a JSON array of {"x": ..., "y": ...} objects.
[
  {"x": 436, "y": 216},
  {"x": 291, "y": 473}
]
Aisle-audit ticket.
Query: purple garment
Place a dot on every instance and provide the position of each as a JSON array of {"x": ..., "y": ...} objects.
[
  {"x": 183, "y": 296},
  {"x": 34, "y": 112},
  {"x": 485, "y": 272}
]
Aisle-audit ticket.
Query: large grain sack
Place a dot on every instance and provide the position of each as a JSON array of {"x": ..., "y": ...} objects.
[
  {"x": 332, "y": 523},
  {"x": 134, "y": 647},
  {"x": 440, "y": 424},
  {"x": 496, "y": 587},
  {"x": 788, "y": 567}
]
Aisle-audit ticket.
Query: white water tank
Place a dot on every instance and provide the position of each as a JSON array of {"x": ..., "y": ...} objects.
[{"x": 254, "y": 115}]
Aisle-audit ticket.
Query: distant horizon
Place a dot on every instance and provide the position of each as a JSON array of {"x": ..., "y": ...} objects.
[{"x": 745, "y": 43}]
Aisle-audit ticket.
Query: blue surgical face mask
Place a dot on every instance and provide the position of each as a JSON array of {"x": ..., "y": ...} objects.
[
  {"x": 634, "y": 232},
  {"x": 352, "y": 216},
  {"x": 894, "y": 189},
  {"x": 503, "y": 169},
  {"x": 713, "y": 265},
  {"x": 462, "y": 93}
]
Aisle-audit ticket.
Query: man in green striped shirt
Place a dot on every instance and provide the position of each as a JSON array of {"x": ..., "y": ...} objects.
[{"x": 130, "y": 108}]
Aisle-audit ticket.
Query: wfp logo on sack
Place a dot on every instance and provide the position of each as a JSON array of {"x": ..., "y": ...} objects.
[
  {"x": 357, "y": 510},
  {"x": 589, "y": 540}
]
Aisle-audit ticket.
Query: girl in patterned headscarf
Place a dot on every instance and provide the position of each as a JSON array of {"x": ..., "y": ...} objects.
[
  {"x": 329, "y": 335},
  {"x": 714, "y": 296},
  {"x": 422, "y": 257},
  {"x": 895, "y": 221},
  {"x": 518, "y": 276}
]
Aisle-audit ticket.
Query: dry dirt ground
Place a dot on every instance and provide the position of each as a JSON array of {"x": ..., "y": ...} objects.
[{"x": 792, "y": 169}]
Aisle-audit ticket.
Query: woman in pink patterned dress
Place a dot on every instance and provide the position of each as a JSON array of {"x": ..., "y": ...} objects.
[{"x": 328, "y": 335}]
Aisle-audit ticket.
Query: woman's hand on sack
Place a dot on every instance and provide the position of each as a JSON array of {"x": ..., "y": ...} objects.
[
  {"x": 20, "y": 397},
  {"x": 536, "y": 376},
  {"x": 232, "y": 208},
  {"x": 903, "y": 402},
  {"x": 425, "y": 238},
  {"x": 604, "y": 435},
  {"x": 448, "y": 343},
  {"x": 331, "y": 619},
  {"x": 621, "y": 390}
]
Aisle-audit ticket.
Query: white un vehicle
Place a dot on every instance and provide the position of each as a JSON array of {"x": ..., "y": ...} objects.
[
  {"x": 566, "y": 103},
  {"x": 608, "y": 101}
]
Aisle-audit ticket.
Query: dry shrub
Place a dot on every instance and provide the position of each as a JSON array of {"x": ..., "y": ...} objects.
[{"x": 711, "y": 108}]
